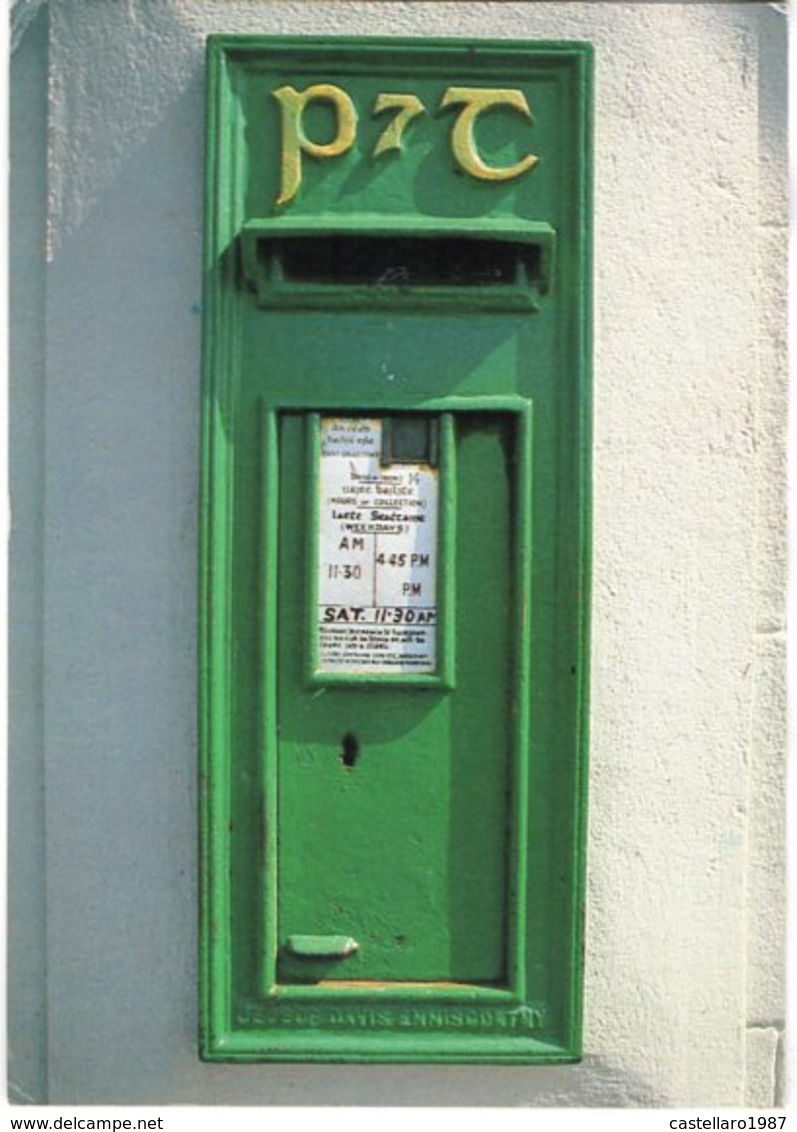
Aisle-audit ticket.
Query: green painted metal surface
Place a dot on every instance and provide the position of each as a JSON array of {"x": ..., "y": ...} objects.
[{"x": 393, "y": 860}]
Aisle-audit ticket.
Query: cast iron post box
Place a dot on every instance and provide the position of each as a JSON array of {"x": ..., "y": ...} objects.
[{"x": 395, "y": 551}]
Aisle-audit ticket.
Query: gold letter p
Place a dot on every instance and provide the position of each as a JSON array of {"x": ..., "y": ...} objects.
[{"x": 294, "y": 140}]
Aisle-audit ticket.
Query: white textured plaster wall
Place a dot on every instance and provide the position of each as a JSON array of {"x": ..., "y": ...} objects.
[{"x": 685, "y": 904}]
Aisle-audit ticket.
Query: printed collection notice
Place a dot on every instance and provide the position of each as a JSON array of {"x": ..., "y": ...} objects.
[{"x": 377, "y": 555}]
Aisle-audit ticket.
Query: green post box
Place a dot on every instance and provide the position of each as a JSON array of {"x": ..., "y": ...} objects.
[{"x": 395, "y": 550}]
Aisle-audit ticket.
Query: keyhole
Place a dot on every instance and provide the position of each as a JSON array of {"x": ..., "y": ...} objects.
[{"x": 351, "y": 750}]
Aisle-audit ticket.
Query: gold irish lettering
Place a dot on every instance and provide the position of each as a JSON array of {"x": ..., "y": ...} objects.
[
  {"x": 474, "y": 101},
  {"x": 294, "y": 140},
  {"x": 409, "y": 106}
]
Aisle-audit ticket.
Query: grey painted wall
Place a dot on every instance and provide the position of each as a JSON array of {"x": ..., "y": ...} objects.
[
  {"x": 27, "y": 1068},
  {"x": 684, "y": 986}
]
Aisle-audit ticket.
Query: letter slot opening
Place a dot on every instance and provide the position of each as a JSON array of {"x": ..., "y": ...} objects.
[
  {"x": 375, "y": 261},
  {"x": 508, "y": 270}
]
